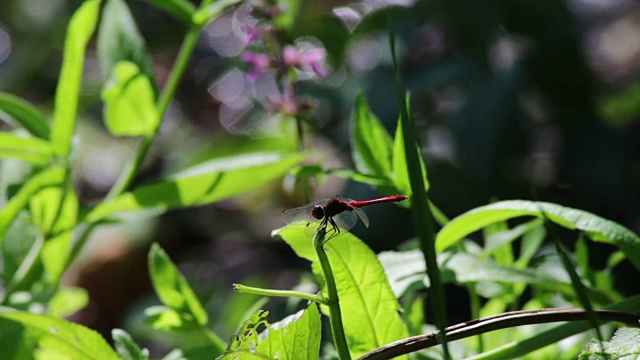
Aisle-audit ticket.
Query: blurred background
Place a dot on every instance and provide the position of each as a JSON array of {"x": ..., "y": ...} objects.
[{"x": 512, "y": 99}]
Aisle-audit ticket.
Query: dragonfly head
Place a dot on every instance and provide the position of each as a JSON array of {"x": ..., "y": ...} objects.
[{"x": 317, "y": 212}]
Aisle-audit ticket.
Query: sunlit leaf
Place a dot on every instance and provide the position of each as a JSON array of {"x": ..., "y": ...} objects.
[
  {"x": 369, "y": 307},
  {"x": 182, "y": 10},
  {"x": 295, "y": 337},
  {"x": 62, "y": 338},
  {"x": 55, "y": 211},
  {"x": 201, "y": 184},
  {"x": 25, "y": 115},
  {"x": 33, "y": 150},
  {"x": 126, "y": 347},
  {"x": 130, "y": 108},
  {"x": 172, "y": 288},
  {"x": 371, "y": 144},
  {"x": 79, "y": 32},
  {"x": 596, "y": 228},
  {"x": 407, "y": 268},
  {"x": 119, "y": 39},
  {"x": 67, "y": 301},
  {"x": 49, "y": 177}
]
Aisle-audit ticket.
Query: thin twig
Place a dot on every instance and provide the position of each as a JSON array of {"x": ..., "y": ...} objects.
[{"x": 492, "y": 323}]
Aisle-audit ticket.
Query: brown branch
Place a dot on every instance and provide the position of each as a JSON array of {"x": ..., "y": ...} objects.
[{"x": 495, "y": 322}]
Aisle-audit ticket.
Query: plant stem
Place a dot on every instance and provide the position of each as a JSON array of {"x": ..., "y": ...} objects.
[
  {"x": 422, "y": 215},
  {"x": 133, "y": 167},
  {"x": 332, "y": 300},
  {"x": 26, "y": 267},
  {"x": 124, "y": 181},
  {"x": 281, "y": 293}
]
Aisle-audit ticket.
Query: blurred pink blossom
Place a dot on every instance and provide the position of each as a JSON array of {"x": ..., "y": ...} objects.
[
  {"x": 259, "y": 63},
  {"x": 312, "y": 58},
  {"x": 252, "y": 33},
  {"x": 285, "y": 104}
]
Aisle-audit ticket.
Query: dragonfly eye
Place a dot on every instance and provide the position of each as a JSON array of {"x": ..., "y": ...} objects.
[{"x": 317, "y": 212}]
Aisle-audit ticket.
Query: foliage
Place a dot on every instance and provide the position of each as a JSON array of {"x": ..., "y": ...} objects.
[{"x": 372, "y": 302}]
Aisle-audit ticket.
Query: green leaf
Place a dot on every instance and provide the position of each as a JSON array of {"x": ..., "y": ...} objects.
[
  {"x": 55, "y": 211},
  {"x": 295, "y": 337},
  {"x": 79, "y": 32},
  {"x": 130, "y": 108},
  {"x": 624, "y": 345},
  {"x": 596, "y": 228},
  {"x": 33, "y": 150},
  {"x": 25, "y": 115},
  {"x": 126, "y": 347},
  {"x": 119, "y": 39},
  {"x": 369, "y": 307},
  {"x": 202, "y": 16},
  {"x": 163, "y": 318},
  {"x": 372, "y": 145},
  {"x": 405, "y": 269},
  {"x": 67, "y": 301},
  {"x": 400, "y": 165},
  {"x": 201, "y": 184},
  {"x": 182, "y": 10},
  {"x": 61, "y": 338},
  {"x": 172, "y": 288},
  {"x": 19, "y": 239},
  {"x": 49, "y": 177}
]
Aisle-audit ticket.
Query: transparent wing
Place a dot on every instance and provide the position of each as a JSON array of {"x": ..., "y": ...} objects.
[
  {"x": 302, "y": 213},
  {"x": 346, "y": 220},
  {"x": 362, "y": 215}
]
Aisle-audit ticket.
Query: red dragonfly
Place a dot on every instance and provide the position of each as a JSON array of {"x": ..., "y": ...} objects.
[{"x": 337, "y": 212}]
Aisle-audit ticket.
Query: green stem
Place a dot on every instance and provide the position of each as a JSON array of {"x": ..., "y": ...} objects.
[
  {"x": 220, "y": 345},
  {"x": 133, "y": 167},
  {"x": 422, "y": 215},
  {"x": 26, "y": 267},
  {"x": 332, "y": 300},
  {"x": 280, "y": 293},
  {"x": 124, "y": 181}
]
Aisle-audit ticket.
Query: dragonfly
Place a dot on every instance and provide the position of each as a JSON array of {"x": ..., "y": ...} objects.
[{"x": 337, "y": 212}]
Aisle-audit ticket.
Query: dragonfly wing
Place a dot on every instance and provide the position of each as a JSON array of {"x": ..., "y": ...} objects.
[
  {"x": 346, "y": 220},
  {"x": 362, "y": 215},
  {"x": 302, "y": 213}
]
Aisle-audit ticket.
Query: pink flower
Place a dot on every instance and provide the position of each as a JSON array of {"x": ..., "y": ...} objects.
[
  {"x": 251, "y": 33},
  {"x": 259, "y": 63},
  {"x": 285, "y": 104},
  {"x": 309, "y": 58}
]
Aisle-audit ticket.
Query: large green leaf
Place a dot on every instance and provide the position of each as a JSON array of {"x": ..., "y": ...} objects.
[
  {"x": 369, "y": 307},
  {"x": 201, "y": 184},
  {"x": 119, "y": 39},
  {"x": 596, "y": 228},
  {"x": 57, "y": 338},
  {"x": 49, "y": 177},
  {"x": 295, "y": 337},
  {"x": 79, "y": 32},
  {"x": 172, "y": 288},
  {"x": 130, "y": 108},
  {"x": 371, "y": 144},
  {"x": 33, "y": 150},
  {"x": 407, "y": 268},
  {"x": 25, "y": 115},
  {"x": 181, "y": 9}
]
